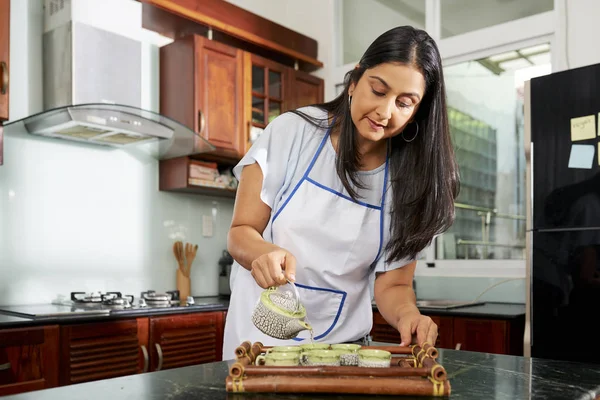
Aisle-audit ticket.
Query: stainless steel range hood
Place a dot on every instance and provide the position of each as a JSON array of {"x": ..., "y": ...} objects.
[
  {"x": 114, "y": 125},
  {"x": 92, "y": 90}
]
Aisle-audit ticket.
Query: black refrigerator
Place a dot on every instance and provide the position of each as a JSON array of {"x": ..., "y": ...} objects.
[{"x": 563, "y": 215}]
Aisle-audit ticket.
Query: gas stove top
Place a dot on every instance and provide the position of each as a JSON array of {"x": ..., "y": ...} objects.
[{"x": 107, "y": 303}]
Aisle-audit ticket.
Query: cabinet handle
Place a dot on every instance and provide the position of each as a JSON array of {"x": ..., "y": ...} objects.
[
  {"x": 146, "y": 359},
  {"x": 4, "y": 79},
  {"x": 201, "y": 122},
  {"x": 457, "y": 347},
  {"x": 160, "y": 356},
  {"x": 4, "y": 367}
]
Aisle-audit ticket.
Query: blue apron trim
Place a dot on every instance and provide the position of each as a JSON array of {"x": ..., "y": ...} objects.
[
  {"x": 362, "y": 203},
  {"x": 339, "y": 312},
  {"x": 382, "y": 214},
  {"x": 310, "y": 167}
]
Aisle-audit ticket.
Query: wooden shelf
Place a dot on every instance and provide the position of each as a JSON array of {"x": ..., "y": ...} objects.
[
  {"x": 172, "y": 18},
  {"x": 173, "y": 176},
  {"x": 207, "y": 191}
]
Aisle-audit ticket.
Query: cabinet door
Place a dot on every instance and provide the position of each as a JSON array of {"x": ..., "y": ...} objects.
[
  {"x": 304, "y": 89},
  {"x": 265, "y": 86},
  {"x": 4, "y": 60},
  {"x": 219, "y": 96},
  {"x": 489, "y": 336},
  {"x": 28, "y": 359},
  {"x": 189, "y": 339},
  {"x": 382, "y": 331},
  {"x": 103, "y": 350},
  {"x": 445, "y": 337}
]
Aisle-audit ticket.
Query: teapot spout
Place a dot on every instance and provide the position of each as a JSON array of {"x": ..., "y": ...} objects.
[{"x": 296, "y": 326}]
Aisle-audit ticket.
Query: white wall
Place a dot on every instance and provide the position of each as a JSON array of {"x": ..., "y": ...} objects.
[
  {"x": 578, "y": 25},
  {"x": 313, "y": 18},
  {"x": 359, "y": 31}
]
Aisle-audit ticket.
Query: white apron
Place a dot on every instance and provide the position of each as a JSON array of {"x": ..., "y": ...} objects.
[{"x": 336, "y": 242}]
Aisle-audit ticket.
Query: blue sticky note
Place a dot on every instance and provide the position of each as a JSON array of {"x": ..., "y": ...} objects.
[{"x": 582, "y": 156}]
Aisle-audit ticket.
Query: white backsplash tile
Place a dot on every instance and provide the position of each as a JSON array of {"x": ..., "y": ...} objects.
[{"x": 80, "y": 218}]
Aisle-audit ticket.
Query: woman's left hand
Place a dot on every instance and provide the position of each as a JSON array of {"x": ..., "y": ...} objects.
[{"x": 415, "y": 328}]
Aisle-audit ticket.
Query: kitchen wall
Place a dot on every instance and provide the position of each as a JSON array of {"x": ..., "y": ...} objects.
[{"x": 78, "y": 218}]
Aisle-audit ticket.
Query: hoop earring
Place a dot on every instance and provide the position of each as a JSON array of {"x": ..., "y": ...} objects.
[{"x": 414, "y": 137}]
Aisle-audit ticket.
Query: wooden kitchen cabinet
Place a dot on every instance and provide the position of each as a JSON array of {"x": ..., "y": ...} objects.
[
  {"x": 496, "y": 336},
  {"x": 100, "y": 350},
  {"x": 185, "y": 339},
  {"x": 4, "y": 58},
  {"x": 303, "y": 89},
  {"x": 221, "y": 92},
  {"x": 271, "y": 89},
  {"x": 28, "y": 359},
  {"x": 4, "y": 68},
  {"x": 264, "y": 88},
  {"x": 201, "y": 86},
  {"x": 384, "y": 332}
]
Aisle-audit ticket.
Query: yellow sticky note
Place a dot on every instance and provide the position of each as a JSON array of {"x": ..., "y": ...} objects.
[{"x": 583, "y": 128}]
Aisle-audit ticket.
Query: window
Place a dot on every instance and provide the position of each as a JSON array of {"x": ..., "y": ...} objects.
[
  {"x": 485, "y": 101},
  {"x": 364, "y": 20},
  {"x": 461, "y": 16}
]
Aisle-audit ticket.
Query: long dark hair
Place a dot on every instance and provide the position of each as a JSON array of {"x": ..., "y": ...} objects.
[{"x": 423, "y": 173}]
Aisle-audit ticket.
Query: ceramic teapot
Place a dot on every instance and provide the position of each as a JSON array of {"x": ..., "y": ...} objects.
[{"x": 280, "y": 314}]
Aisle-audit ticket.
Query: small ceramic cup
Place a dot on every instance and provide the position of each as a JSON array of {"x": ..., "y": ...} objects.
[
  {"x": 321, "y": 357},
  {"x": 315, "y": 346},
  {"x": 348, "y": 353},
  {"x": 374, "y": 358},
  {"x": 279, "y": 359},
  {"x": 285, "y": 349}
]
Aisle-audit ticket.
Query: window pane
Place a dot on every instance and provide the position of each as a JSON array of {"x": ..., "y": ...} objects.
[
  {"x": 485, "y": 111},
  {"x": 461, "y": 16},
  {"x": 274, "y": 109},
  {"x": 258, "y": 110},
  {"x": 275, "y": 84},
  {"x": 258, "y": 79},
  {"x": 364, "y": 20}
]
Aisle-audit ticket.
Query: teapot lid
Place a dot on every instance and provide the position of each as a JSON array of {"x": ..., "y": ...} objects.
[{"x": 283, "y": 302}]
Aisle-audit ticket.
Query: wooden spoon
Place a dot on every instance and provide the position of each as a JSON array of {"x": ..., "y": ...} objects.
[
  {"x": 178, "y": 251},
  {"x": 190, "y": 255}
]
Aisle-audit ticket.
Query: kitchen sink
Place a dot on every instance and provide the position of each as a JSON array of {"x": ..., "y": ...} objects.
[{"x": 447, "y": 304}]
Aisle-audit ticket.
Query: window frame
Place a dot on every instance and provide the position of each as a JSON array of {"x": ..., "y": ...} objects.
[{"x": 547, "y": 27}]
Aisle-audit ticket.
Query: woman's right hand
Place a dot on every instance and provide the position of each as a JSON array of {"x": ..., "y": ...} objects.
[{"x": 274, "y": 268}]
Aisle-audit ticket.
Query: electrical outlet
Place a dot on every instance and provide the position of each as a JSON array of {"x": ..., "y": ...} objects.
[{"x": 207, "y": 226}]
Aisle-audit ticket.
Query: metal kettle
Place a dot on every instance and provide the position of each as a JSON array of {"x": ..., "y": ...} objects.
[{"x": 225, "y": 263}]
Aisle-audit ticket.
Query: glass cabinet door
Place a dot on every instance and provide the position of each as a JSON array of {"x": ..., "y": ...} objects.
[{"x": 267, "y": 91}]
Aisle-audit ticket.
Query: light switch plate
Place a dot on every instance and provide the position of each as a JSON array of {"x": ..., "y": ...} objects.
[{"x": 207, "y": 226}]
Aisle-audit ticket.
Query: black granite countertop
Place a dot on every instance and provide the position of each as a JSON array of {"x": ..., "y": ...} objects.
[
  {"x": 472, "y": 376},
  {"x": 15, "y": 316},
  {"x": 12, "y": 316},
  {"x": 10, "y": 320}
]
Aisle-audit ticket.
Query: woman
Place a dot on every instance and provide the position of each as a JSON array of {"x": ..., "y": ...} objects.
[{"x": 338, "y": 195}]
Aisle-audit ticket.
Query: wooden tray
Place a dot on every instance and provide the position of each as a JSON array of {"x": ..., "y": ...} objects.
[{"x": 414, "y": 371}]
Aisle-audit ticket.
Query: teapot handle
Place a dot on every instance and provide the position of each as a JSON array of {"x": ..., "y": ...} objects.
[{"x": 296, "y": 293}]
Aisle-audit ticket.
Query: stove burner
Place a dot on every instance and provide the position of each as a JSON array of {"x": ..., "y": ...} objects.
[
  {"x": 111, "y": 299},
  {"x": 93, "y": 297},
  {"x": 121, "y": 302},
  {"x": 153, "y": 299}
]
